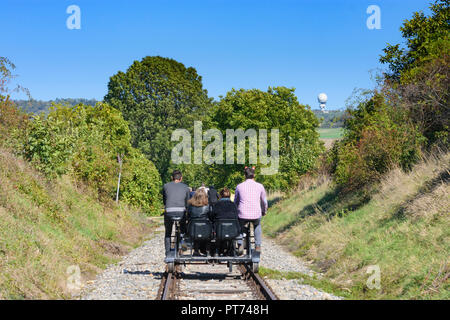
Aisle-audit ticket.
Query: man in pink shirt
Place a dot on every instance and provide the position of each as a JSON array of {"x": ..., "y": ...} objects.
[{"x": 250, "y": 198}]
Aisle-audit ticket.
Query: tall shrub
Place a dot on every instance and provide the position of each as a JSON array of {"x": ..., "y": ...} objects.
[{"x": 85, "y": 142}]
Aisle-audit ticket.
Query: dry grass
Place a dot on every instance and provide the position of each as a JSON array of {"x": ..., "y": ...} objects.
[
  {"x": 398, "y": 186},
  {"x": 423, "y": 193},
  {"x": 432, "y": 205},
  {"x": 328, "y": 143},
  {"x": 404, "y": 230},
  {"x": 309, "y": 181}
]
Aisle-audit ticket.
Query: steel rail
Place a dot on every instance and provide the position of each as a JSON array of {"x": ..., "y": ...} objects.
[
  {"x": 168, "y": 284},
  {"x": 263, "y": 289}
]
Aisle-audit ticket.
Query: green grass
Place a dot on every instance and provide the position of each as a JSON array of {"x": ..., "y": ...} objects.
[
  {"x": 46, "y": 226},
  {"x": 288, "y": 212},
  {"x": 330, "y": 133},
  {"x": 404, "y": 229},
  {"x": 314, "y": 281},
  {"x": 323, "y": 201}
]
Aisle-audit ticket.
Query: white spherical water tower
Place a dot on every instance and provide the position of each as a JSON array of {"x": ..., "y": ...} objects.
[{"x": 322, "y": 98}]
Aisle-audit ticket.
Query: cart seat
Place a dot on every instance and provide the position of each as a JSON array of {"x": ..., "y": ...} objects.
[
  {"x": 200, "y": 229},
  {"x": 227, "y": 229}
]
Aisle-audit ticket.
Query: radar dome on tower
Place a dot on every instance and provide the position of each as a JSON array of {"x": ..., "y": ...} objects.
[{"x": 322, "y": 98}]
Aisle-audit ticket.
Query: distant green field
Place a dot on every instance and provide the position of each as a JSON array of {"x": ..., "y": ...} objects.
[{"x": 330, "y": 133}]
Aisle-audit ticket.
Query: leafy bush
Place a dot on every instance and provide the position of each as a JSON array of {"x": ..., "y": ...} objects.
[
  {"x": 423, "y": 93},
  {"x": 141, "y": 183},
  {"x": 86, "y": 141},
  {"x": 377, "y": 137},
  {"x": 13, "y": 123},
  {"x": 419, "y": 32},
  {"x": 48, "y": 146}
]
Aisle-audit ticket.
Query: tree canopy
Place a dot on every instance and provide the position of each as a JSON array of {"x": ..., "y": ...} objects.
[
  {"x": 421, "y": 33},
  {"x": 408, "y": 113},
  {"x": 418, "y": 77},
  {"x": 276, "y": 108},
  {"x": 156, "y": 96}
]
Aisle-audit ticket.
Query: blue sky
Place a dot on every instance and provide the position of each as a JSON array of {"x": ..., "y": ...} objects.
[{"x": 312, "y": 45}]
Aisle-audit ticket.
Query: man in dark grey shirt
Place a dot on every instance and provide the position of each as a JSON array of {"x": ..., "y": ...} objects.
[{"x": 175, "y": 198}]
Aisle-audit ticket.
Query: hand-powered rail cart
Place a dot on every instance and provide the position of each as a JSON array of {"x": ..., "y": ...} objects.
[{"x": 219, "y": 243}]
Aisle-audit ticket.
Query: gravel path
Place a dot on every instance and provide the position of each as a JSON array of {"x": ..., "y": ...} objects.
[
  {"x": 138, "y": 275},
  {"x": 275, "y": 257}
]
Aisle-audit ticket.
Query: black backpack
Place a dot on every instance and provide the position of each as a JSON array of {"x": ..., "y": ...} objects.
[{"x": 213, "y": 196}]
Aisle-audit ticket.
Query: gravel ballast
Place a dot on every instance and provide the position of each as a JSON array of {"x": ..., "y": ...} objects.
[{"x": 138, "y": 275}]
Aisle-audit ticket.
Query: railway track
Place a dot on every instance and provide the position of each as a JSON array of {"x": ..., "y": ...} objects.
[{"x": 213, "y": 282}]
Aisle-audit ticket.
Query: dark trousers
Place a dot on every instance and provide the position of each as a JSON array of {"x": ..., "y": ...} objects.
[
  {"x": 168, "y": 224},
  {"x": 257, "y": 229}
]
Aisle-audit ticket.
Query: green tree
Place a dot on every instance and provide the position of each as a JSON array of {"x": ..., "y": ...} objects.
[
  {"x": 419, "y": 32},
  {"x": 13, "y": 122},
  {"x": 156, "y": 96},
  {"x": 6, "y": 67},
  {"x": 418, "y": 76},
  {"x": 277, "y": 108},
  {"x": 6, "y": 75}
]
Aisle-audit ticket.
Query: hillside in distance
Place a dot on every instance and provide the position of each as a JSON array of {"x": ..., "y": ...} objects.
[
  {"x": 38, "y": 106},
  {"x": 331, "y": 119}
]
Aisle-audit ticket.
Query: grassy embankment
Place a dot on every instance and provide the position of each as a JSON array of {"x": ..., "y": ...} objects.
[
  {"x": 47, "y": 226},
  {"x": 404, "y": 229}
]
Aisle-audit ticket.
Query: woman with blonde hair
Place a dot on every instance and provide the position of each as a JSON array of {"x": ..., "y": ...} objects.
[
  {"x": 198, "y": 208},
  {"x": 198, "y": 205}
]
